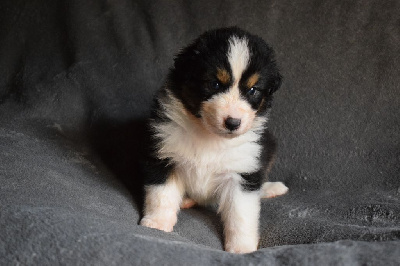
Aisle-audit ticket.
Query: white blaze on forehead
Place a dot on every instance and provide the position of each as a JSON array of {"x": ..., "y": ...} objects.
[{"x": 238, "y": 56}]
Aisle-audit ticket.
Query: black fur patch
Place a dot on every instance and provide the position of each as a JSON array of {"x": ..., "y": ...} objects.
[{"x": 254, "y": 181}]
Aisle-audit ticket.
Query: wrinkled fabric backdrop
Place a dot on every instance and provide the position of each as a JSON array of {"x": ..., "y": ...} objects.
[{"x": 76, "y": 84}]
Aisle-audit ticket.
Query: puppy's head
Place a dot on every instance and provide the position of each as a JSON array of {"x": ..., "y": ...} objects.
[{"x": 226, "y": 79}]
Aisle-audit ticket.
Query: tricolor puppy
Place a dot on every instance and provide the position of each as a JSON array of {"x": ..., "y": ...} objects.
[{"x": 209, "y": 135}]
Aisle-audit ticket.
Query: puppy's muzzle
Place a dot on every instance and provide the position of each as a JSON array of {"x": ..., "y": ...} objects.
[{"x": 232, "y": 123}]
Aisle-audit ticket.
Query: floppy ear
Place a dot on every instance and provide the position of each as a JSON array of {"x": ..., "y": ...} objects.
[
  {"x": 275, "y": 83},
  {"x": 187, "y": 65}
]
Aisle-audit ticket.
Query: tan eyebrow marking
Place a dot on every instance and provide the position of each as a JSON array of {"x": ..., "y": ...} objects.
[
  {"x": 223, "y": 76},
  {"x": 252, "y": 80}
]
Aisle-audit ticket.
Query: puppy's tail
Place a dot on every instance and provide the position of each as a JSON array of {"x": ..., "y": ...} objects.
[{"x": 273, "y": 189}]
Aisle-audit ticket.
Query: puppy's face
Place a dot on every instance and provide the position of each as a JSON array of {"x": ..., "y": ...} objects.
[{"x": 226, "y": 79}]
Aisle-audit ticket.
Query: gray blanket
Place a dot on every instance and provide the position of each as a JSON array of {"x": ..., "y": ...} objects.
[{"x": 76, "y": 84}]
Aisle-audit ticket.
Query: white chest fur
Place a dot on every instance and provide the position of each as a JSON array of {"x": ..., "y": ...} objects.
[{"x": 203, "y": 160}]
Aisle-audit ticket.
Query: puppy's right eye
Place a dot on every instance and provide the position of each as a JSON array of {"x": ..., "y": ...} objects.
[{"x": 215, "y": 85}]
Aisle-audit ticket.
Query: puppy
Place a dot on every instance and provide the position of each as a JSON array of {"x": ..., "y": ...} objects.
[{"x": 209, "y": 138}]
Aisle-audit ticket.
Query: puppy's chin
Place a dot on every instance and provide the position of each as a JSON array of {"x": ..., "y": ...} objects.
[{"x": 230, "y": 135}]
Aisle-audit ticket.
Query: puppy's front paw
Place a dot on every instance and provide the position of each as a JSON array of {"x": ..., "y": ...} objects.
[
  {"x": 163, "y": 224},
  {"x": 273, "y": 189},
  {"x": 240, "y": 247},
  {"x": 241, "y": 241}
]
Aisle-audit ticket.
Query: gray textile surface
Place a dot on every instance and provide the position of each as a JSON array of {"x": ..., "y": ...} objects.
[{"x": 77, "y": 79}]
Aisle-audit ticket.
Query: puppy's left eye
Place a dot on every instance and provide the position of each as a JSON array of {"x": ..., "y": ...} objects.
[
  {"x": 215, "y": 85},
  {"x": 252, "y": 91}
]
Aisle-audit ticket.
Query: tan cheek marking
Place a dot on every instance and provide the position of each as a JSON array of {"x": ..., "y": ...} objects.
[
  {"x": 253, "y": 80},
  {"x": 209, "y": 113},
  {"x": 261, "y": 104},
  {"x": 249, "y": 121},
  {"x": 223, "y": 76}
]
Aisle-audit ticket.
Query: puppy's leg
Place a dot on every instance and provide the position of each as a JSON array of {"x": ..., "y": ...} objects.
[
  {"x": 273, "y": 189},
  {"x": 162, "y": 204},
  {"x": 240, "y": 211}
]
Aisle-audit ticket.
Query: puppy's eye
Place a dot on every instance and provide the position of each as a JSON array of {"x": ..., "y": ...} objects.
[
  {"x": 215, "y": 85},
  {"x": 252, "y": 91}
]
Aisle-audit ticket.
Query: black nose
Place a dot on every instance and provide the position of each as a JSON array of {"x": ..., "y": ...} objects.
[{"x": 232, "y": 123}]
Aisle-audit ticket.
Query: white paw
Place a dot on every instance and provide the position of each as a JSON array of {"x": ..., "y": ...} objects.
[
  {"x": 239, "y": 240},
  {"x": 163, "y": 224},
  {"x": 273, "y": 189},
  {"x": 240, "y": 247}
]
